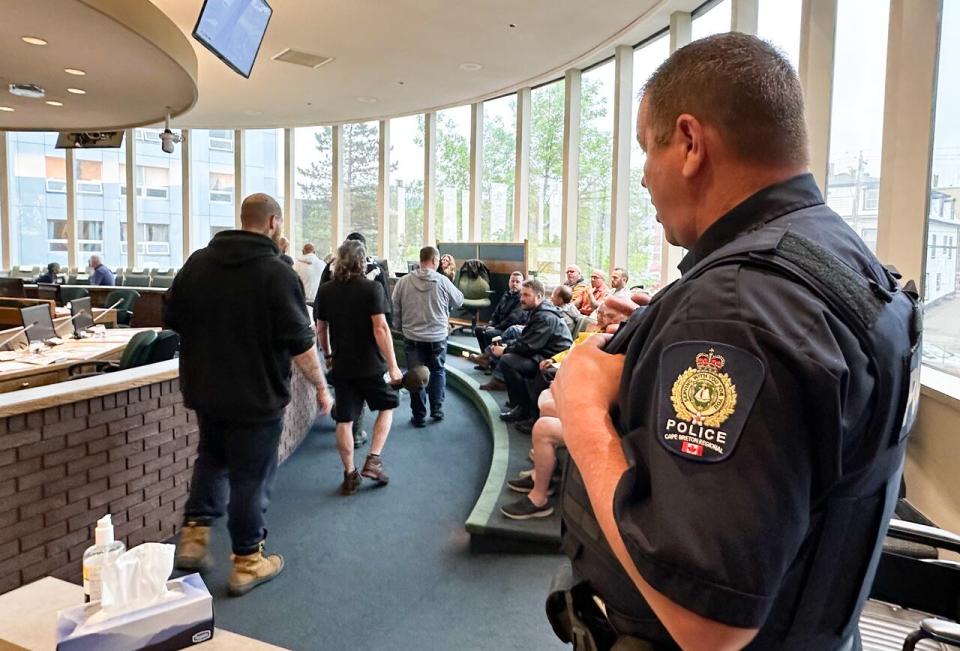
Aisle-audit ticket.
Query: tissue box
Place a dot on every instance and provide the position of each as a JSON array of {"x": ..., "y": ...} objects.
[{"x": 165, "y": 626}]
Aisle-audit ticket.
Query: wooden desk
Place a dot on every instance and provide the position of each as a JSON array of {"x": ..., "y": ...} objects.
[
  {"x": 16, "y": 374},
  {"x": 30, "y": 618}
]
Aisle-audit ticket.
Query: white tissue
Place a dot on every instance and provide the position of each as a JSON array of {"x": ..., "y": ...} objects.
[{"x": 137, "y": 579}]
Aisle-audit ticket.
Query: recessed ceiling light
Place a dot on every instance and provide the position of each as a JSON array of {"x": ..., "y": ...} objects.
[
  {"x": 74, "y": 71},
  {"x": 470, "y": 67},
  {"x": 77, "y": 91},
  {"x": 54, "y": 103},
  {"x": 512, "y": 25},
  {"x": 33, "y": 40},
  {"x": 368, "y": 100},
  {"x": 401, "y": 83},
  {"x": 6, "y": 108}
]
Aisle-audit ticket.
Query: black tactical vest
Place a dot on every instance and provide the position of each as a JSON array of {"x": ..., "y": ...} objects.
[{"x": 850, "y": 524}]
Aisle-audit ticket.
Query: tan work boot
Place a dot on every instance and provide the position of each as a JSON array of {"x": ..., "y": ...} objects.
[
  {"x": 373, "y": 469},
  {"x": 192, "y": 552},
  {"x": 251, "y": 570}
]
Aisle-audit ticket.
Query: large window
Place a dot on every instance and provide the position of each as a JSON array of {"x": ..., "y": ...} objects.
[
  {"x": 101, "y": 204},
  {"x": 714, "y": 20},
  {"x": 263, "y": 163},
  {"x": 596, "y": 165},
  {"x": 313, "y": 188},
  {"x": 646, "y": 235},
  {"x": 499, "y": 167},
  {"x": 779, "y": 23},
  {"x": 361, "y": 170},
  {"x": 38, "y": 200},
  {"x": 941, "y": 337},
  {"x": 546, "y": 189},
  {"x": 158, "y": 179},
  {"x": 406, "y": 191},
  {"x": 856, "y": 121},
  {"x": 211, "y": 183},
  {"x": 453, "y": 175}
]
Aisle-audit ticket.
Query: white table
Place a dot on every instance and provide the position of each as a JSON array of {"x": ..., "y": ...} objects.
[{"x": 28, "y": 618}]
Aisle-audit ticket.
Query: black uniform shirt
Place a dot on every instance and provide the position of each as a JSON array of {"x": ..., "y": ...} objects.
[{"x": 740, "y": 396}]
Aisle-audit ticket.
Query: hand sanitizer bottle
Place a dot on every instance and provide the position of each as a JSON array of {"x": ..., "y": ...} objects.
[{"x": 105, "y": 550}]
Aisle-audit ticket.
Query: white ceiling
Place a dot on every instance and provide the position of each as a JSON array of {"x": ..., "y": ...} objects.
[
  {"x": 379, "y": 43},
  {"x": 137, "y": 62}
]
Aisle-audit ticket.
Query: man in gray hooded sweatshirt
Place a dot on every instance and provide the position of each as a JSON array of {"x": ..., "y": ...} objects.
[{"x": 421, "y": 309}]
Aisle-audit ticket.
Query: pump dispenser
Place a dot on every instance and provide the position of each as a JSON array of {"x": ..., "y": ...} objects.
[{"x": 104, "y": 550}]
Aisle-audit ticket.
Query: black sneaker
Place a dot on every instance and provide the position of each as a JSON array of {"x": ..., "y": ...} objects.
[
  {"x": 351, "y": 482},
  {"x": 524, "y": 484},
  {"x": 436, "y": 414},
  {"x": 359, "y": 438},
  {"x": 418, "y": 422},
  {"x": 524, "y": 509}
]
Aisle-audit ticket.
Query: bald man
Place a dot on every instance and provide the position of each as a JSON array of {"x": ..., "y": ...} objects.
[
  {"x": 284, "y": 245},
  {"x": 99, "y": 273},
  {"x": 242, "y": 318}
]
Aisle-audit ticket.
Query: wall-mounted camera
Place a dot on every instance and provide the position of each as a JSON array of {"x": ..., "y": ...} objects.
[{"x": 168, "y": 138}]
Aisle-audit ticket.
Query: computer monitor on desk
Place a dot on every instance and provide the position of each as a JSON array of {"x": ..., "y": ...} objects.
[
  {"x": 82, "y": 314},
  {"x": 50, "y": 292},
  {"x": 38, "y": 322}
]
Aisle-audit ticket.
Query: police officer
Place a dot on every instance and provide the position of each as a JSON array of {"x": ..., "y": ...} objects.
[{"x": 737, "y": 450}]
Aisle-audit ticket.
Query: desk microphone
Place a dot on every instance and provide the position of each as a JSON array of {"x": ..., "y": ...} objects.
[
  {"x": 9, "y": 339},
  {"x": 107, "y": 310}
]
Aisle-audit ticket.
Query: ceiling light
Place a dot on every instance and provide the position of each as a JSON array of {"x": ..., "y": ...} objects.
[
  {"x": 6, "y": 108},
  {"x": 368, "y": 100},
  {"x": 77, "y": 91},
  {"x": 33, "y": 40},
  {"x": 512, "y": 25},
  {"x": 74, "y": 71},
  {"x": 54, "y": 103},
  {"x": 470, "y": 67}
]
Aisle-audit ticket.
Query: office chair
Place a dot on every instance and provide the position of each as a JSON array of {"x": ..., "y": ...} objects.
[
  {"x": 125, "y": 309},
  {"x": 67, "y": 294},
  {"x": 164, "y": 347},
  {"x": 475, "y": 285},
  {"x": 135, "y": 354}
]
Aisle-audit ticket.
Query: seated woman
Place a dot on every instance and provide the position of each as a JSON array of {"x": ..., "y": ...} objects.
[
  {"x": 547, "y": 432},
  {"x": 448, "y": 266},
  {"x": 52, "y": 274}
]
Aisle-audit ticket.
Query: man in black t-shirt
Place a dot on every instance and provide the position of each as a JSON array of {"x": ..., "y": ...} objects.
[{"x": 352, "y": 325}]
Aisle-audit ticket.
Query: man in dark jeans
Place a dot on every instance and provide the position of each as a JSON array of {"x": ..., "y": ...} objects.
[
  {"x": 421, "y": 307},
  {"x": 242, "y": 318},
  {"x": 544, "y": 336}
]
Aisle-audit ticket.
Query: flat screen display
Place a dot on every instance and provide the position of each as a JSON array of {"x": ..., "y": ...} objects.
[
  {"x": 83, "y": 314},
  {"x": 233, "y": 30},
  {"x": 39, "y": 317}
]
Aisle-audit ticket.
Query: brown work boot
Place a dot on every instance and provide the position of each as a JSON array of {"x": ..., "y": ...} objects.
[
  {"x": 192, "y": 552},
  {"x": 351, "y": 482},
  {"x": 373, "y": 469},
  {"x": 251, "y": 570},
  {"x": 480, "y": 360},
  {"x": 494, "y": 385}
]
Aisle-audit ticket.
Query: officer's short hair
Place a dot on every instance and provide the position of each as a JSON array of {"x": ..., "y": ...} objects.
[
  {"x": 740, "y": 85},
  {"x": 564, "y": 293},
  {"x": 535, "y": 285},
  {"x": 623, "y": 271},
  {"x": 429, "y": 254},
  {"x": 516, "y": 273}
]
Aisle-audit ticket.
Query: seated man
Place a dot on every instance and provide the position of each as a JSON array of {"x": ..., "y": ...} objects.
[
  {"x": 52, "y": 274},
  {"x": 562, "y": 297},
  {"x": 575, "y": 283},
  {"x": 544, "y": 335},
  {"x": 618, "y": 283},
  {"x": 507, "y": 313},
  {"x": 598, "y": 291},
  {"x": 100, "y": 274},
  {"x": 546, "y": 430}
]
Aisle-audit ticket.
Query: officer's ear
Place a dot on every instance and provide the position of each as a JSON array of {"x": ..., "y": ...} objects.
[{"x": 690, "y": 136}]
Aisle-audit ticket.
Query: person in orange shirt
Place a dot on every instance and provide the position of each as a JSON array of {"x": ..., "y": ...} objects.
[
  {"x": 575, "y": 282},
  {"x": 598, "y": 291}
]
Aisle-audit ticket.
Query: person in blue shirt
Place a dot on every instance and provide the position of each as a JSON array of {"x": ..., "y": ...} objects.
[{"x": 100, "y": 275}]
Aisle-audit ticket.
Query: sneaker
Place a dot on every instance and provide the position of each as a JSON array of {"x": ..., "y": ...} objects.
[
  {"x": 524, "y": 509},
  {"x": 359, "y": 438},
  {"x": 418, "y": 422},
  {"x": 524, "y": 484},
  {"x": 436, "y": 414},
  {"x": 351, "y": 482},
  {"x": 525, "y": 473},
  {"x": 373, "y": 469},
  {"x": 193, "y": 550},
  {"x": 251, "y": 570}
]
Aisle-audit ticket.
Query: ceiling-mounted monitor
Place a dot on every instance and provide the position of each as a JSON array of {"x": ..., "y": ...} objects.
[
  {"x": 89, "y": 139},
  {"x": 233, "y": 30}
]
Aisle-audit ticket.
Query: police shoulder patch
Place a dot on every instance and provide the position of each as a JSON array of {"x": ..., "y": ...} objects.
[{"x": 707, "y": 390}]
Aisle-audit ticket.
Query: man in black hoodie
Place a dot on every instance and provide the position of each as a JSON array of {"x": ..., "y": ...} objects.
[
  {"x": 544, "y": 336},
  {"x": 242, "y": 318}
]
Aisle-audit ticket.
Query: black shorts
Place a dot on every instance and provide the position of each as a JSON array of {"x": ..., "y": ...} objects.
[{"x": 351, "y": 393}]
